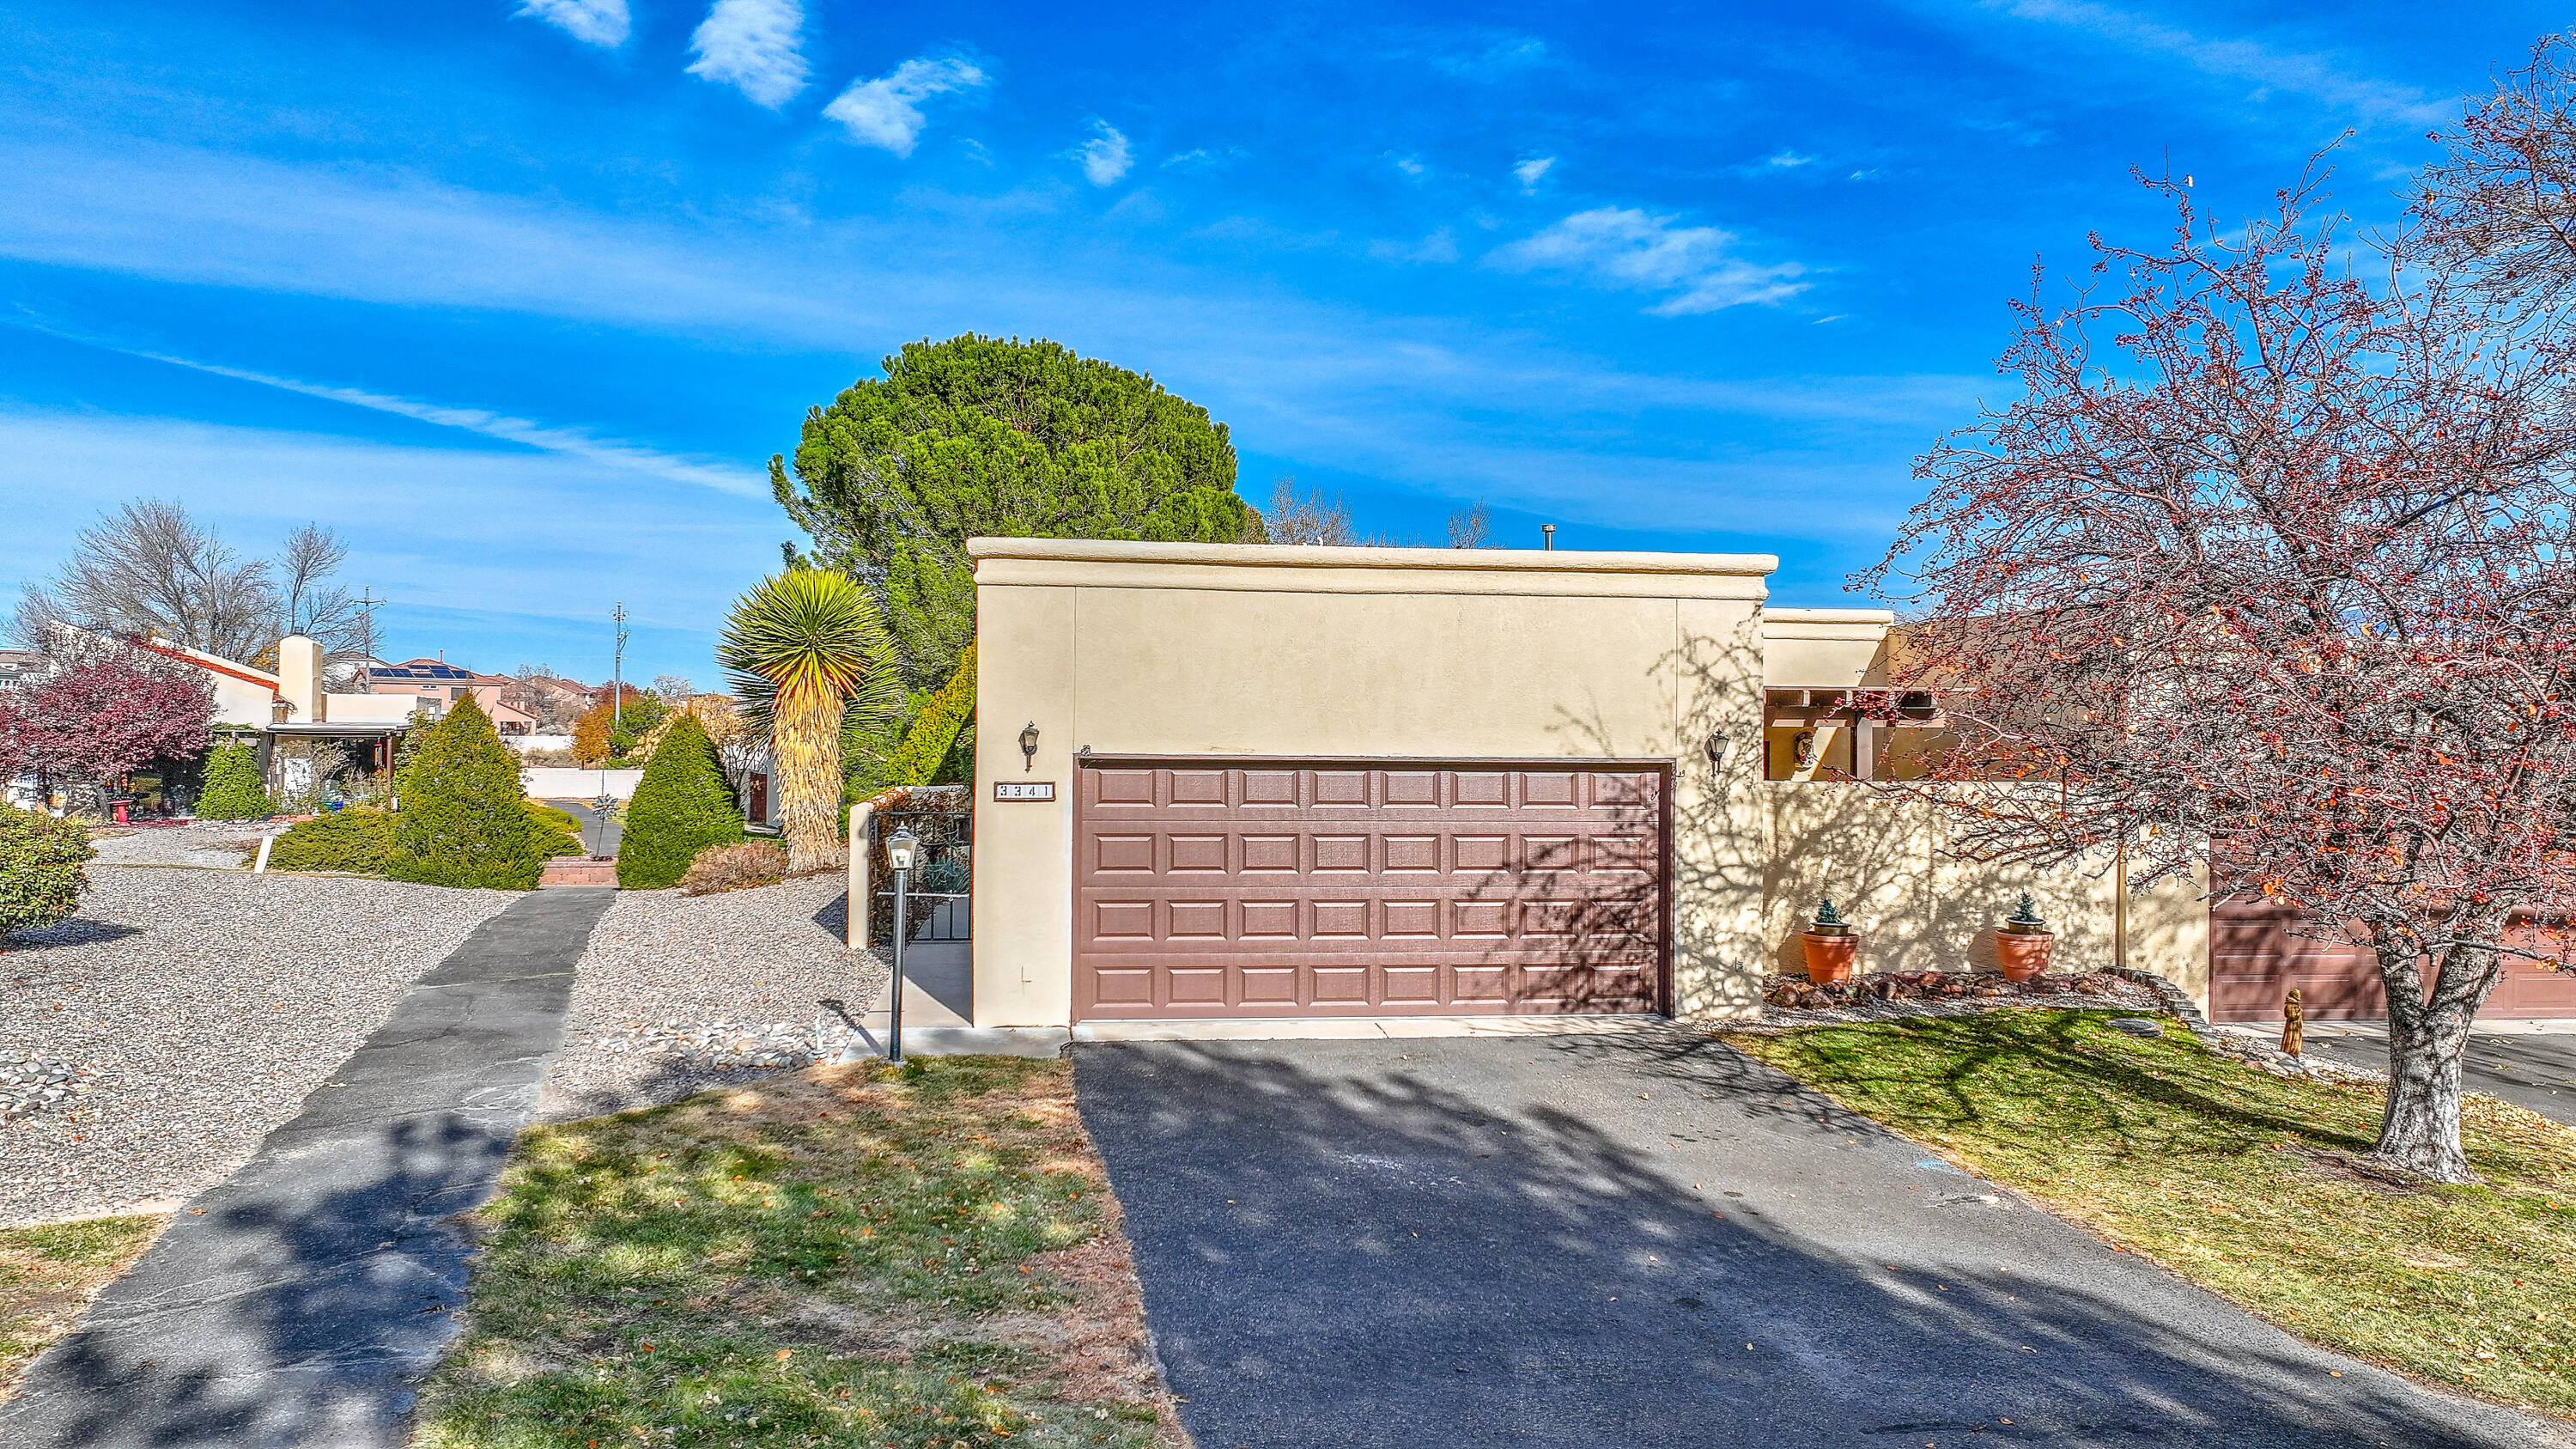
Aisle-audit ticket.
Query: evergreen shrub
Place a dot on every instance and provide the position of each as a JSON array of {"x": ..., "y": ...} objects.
[
  {"x": 40, "y": 869},
  {"x": 462, "y": 821},
  {"x": 234, "y": 790},
  {"x": 681, "y": 806},
  {"x": 929, "y": 752},
  {"x": 352, "y": 840}
]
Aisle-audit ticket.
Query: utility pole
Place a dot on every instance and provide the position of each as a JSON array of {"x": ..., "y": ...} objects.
[{"x": 617, "y": 673}]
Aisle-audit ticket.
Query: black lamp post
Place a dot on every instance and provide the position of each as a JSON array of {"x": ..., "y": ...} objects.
[{"x": 903, "y": 850}]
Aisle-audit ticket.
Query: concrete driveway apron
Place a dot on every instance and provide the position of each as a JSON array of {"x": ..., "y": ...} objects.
[{"x": 1649, "y": 1239}]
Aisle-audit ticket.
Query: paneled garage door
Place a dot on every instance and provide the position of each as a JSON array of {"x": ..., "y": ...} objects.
[
  {"x": 2254, "y": 960},
  {"x": 1279, "y": 888}
]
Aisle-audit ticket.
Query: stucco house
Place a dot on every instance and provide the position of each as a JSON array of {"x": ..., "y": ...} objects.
[
  {"x": 1306, "y": 782},
  {"x": 440, "y": 684}
]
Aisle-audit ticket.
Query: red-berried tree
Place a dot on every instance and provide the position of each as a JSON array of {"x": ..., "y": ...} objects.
[
  {"x": 2270, "y": 573},
  {"x": 106, "y": 709}
]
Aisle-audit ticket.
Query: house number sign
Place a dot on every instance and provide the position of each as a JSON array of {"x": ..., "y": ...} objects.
[{"x": 1024, "y": 789}]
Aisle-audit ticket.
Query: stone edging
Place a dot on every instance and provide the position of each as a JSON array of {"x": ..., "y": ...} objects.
[{"x": 2176, "y": 1002}]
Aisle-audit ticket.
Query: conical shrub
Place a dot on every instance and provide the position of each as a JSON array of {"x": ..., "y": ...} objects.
[
  {"x": 461, "y": 822},
  {"x": 681, "y": 806},
  {"x": 234, "y": 790}
]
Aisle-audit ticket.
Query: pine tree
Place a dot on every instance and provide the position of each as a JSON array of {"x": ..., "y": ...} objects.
[
  {"x": 681, "y": 806},
  {"x": 233, "y": 787},
  {"x": 461, "y": 822}
]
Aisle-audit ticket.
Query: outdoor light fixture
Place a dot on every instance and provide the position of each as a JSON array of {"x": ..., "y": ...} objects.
[
  {"x": 903, "y": 851},
  {"x": 1029, "y": 746},
  {"x": 1715, "y": 749}
]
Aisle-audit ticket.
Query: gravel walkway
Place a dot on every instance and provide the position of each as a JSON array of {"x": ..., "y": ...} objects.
[
  {"x": 218, "y": 844},
  {"x": 198, "y": 1009},
  {"x": 679, "y": 993}
]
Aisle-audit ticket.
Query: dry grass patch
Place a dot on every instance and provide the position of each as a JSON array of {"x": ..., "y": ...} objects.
[
  {"x": 2250, "y": 1184},
  {"x": 49, "y": 1274},
  {"x": 925, "y": 1257}
]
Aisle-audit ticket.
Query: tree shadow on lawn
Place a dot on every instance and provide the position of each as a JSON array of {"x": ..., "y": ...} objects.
[{"x": 1518, "y": 1241}]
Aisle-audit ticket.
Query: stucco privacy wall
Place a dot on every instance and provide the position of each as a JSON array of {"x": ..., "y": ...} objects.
[
  {"x": 1188, "y": 649},
  {"x": 1885, "y": 863}
]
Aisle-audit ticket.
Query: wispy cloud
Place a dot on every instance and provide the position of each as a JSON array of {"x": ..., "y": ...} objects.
[
  {"x": 1785, "y": 159},
  {"x": 2316, "y": 76},
  {"x": 886, "y": 112},
  {"x": 1439, "y": 246},
  {"x": 595, "y": 22},
  {"x": 1530, "y": 169},
  {"x": 570, "y": 442},
  {"x": 1410, "y": 165},
  {"x": 1632, "y": 249},
  {"x": 751, "y": 45},
  {"x": 1104, "y": 157}
]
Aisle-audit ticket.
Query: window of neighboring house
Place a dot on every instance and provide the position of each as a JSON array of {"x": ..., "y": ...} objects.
[{"x": 1846, "y": 734}]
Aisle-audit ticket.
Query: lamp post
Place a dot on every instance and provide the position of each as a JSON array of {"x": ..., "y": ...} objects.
[{"x": 903, "y": 849}]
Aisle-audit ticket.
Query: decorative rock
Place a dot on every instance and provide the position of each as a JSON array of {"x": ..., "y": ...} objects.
[
  {"x": 2138, "y": 1025},
  {"x": 30, "y": 1083}
]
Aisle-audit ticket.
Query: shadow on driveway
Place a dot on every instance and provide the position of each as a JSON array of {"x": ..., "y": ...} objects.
[{"x": 1651, "y": 1239}]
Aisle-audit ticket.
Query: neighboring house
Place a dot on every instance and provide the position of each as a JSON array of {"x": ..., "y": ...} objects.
[
  {"x": 442, "y": 684},
  {"x": 1372, "y": 783}
]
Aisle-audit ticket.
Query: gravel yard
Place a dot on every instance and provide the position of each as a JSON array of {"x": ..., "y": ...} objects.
[
  {"x": 679, "y": 993},
  {"x": 218, "y": 844},
  {"x": 195, "y": 1010}
]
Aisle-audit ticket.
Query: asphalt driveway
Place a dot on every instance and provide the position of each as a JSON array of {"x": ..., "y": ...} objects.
[
  {"x": 1650, "y": 1239},
  {"x": 2533, "y": 1069}
]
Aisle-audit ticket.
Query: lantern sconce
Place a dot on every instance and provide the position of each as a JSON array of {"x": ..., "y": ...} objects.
[
  {"x": 1806, "y": 748},
  {"x": 1029, "y": 746},
  {"x": 1715, "y": 749}
]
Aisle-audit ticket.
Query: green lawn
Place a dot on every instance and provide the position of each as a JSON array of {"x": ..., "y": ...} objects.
[
  {"x": 2239, "y": 1180},
  {"x": 867, "y": 1256},
  {"x": 48, "y": 1274}
]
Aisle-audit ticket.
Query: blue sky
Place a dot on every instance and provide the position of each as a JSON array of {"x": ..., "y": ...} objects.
[{"x": 520, "y": 297}]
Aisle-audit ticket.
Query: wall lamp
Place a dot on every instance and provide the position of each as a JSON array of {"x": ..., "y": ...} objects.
[{"x": 1029, "y": 746}]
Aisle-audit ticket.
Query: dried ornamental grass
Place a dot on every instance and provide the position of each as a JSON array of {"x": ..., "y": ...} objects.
[{"x": 720, "y": 868}]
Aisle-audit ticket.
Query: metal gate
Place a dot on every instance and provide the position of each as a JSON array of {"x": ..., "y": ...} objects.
[{"x": 941, "y": 886}]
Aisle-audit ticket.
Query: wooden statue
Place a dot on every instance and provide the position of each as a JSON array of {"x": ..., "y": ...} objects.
[{"x": 2294, "y": 1024}]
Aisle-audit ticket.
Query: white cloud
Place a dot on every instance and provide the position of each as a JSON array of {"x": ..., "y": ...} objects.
[
  {"x": 1409, "y": 165},
  {"x": 1530, "y": 169},
  {"x": 1439, "y": 246},
  {"x": 1104, "y": 157},
  {"x": 1627, "y": 248},
  {"x": 596, "y": 22},
  {"x": 1787, "y": 160},
  {"x": 2318, "y": 77},
  {"x": 886, "y": 112},
  {"x": 570, "y": 442},
  {"x": 751, "y": 46}
]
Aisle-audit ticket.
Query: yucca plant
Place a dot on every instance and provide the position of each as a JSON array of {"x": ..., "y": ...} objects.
[{"x": 806, "y": 650}]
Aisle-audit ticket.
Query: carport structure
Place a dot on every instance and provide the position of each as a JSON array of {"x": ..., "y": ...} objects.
[{"x": 1264, "y": 782}]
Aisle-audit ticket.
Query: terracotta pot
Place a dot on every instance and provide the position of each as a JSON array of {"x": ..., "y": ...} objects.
[
  {"x": 2023, "y": 956},
  {"x": 1829, "y": 958}
]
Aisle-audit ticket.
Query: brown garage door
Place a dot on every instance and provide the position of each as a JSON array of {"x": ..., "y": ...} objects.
[
  {"x": 1280, "y": 888},
  {"x": 2254, "y": 961}
]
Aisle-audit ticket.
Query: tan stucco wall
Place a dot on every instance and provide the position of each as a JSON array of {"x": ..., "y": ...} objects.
[
  {"x": 1227, "y": 651},
  {"x": 1175, "y": 649},
  {"x": 1884, "y": 863}
]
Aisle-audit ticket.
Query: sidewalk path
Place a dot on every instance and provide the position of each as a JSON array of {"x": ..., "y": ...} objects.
[{"x": 298, "y": 1302}]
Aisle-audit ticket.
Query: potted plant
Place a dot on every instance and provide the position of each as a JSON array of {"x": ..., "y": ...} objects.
[
  {"x": 2022, "y": 946},
  {"x": 1830, "y": 945}
]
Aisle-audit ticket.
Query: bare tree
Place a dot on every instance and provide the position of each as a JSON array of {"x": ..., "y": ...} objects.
[
  {"x": 1309, "y": 518},
  {"x": 1470, "y": 527},
  {"x": 314, "y": 607},
  {"x": 2500, "y": 206},
  {"x": 675, "y": 689},
  {"x": 2267, "y": 574},
  {"x": 151, "y": 571}
]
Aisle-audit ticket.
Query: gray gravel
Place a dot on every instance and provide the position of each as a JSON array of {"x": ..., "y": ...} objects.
[
  {"x": 679, "y": 993},
  {"x": 200, "y": 1008},
  {"x": 216, "y": 844}
]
